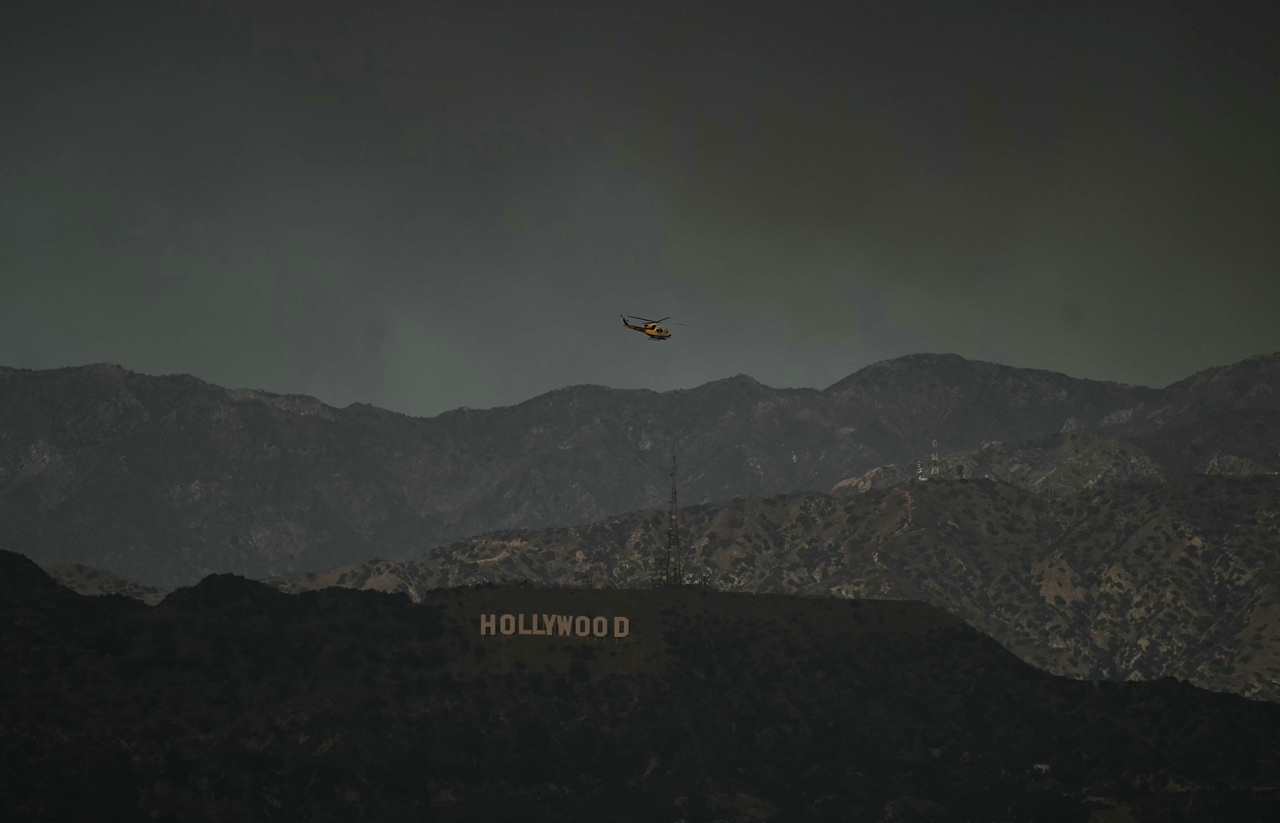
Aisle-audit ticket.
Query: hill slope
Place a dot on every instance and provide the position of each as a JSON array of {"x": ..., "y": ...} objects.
[
  {"x": 233, "y": 700},
  {"x": 1127, "y": 581}
]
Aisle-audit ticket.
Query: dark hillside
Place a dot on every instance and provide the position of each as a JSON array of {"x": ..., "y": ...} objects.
[{"x": 232, "y": 700}]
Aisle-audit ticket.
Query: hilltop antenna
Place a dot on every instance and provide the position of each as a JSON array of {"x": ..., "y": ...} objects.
[
  {"x": 671, "y": 571},
  {"x": 675, "y": 568}
]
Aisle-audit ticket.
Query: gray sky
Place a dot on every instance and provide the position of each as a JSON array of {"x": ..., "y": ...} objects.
[{"x": 432, "y": 205}]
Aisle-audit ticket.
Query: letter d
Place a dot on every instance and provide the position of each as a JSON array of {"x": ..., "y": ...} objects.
[{"x": 621, "y": 627}]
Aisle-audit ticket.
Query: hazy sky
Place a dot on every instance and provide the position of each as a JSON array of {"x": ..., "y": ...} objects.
[{"x": 430, "y": 205}]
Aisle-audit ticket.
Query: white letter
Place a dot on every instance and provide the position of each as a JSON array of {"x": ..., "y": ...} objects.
[
  {"x": 507, "y": 624},
  {"x": 621, "y": 627},
  {"x": 488, "y": 624}
]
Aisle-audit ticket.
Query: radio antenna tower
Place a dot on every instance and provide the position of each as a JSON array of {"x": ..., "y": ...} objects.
[{"x": 674, "y": 572}]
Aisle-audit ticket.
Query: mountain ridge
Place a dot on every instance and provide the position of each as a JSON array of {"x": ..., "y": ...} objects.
[
  {"x": 1136, "y": 581},
  {"x": 165, "y": 479}
]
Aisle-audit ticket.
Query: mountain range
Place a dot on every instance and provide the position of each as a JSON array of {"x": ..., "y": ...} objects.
[{"x": 167, "y": 479}]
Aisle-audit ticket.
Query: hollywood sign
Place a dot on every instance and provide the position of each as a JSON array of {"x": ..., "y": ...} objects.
[{"x": 554, "y": 625}]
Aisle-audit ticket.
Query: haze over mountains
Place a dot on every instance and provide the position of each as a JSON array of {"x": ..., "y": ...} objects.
[{"x": 166, "y": 479}]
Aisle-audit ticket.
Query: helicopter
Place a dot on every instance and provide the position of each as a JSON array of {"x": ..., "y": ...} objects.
[{"x": 650, "y": 328}]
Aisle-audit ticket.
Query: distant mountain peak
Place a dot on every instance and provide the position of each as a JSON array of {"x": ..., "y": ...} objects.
[
  {"x": 956, "y": 371},
  {"x": 737, "y": 380},
  {"x": 106, "y": 368},
  {"x": 921, "y": 361},
  {"x": 1262, "y": 368}
]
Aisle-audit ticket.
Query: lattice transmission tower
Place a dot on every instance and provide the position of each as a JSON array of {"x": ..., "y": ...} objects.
[{"x": 675, "y": 564}]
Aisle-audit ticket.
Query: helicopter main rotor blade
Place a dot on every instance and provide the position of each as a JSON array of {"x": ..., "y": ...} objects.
[{"x": 655, "y": 322}]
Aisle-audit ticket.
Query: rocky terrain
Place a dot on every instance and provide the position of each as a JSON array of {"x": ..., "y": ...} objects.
[
  {"x": 166, "y": 479},
  {"x": 1135, "y": 581},
  {"x": 233, "y": 701},
  {"x": 1241, "y": 443}
]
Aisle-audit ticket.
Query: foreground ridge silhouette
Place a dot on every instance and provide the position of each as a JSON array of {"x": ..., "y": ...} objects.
[{"x": 234, "y": 700}]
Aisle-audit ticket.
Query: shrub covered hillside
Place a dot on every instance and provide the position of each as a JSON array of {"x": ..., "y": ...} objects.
[{"x": 233, "y": 700}]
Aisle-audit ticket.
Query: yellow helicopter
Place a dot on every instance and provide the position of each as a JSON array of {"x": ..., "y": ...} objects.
[{"x": 650, "y": 328}]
